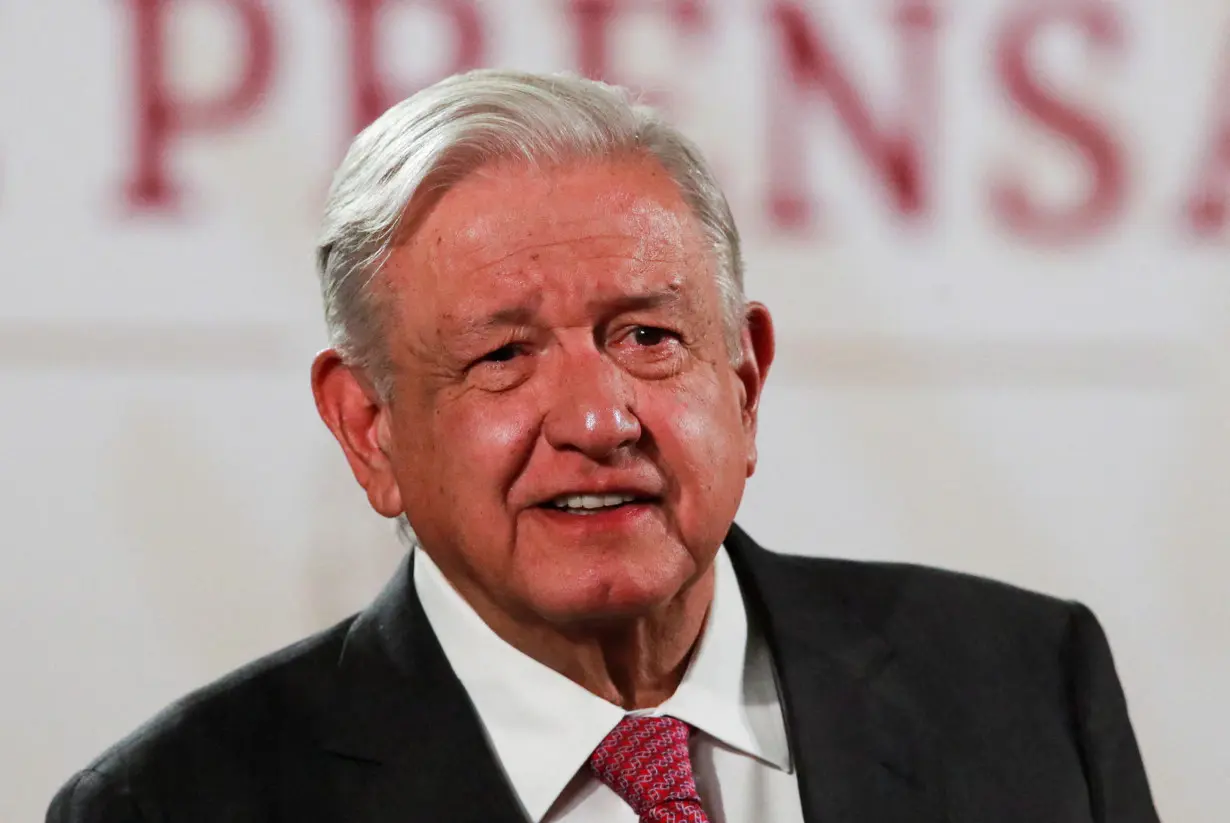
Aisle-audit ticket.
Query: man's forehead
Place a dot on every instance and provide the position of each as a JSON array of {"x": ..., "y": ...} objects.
[{"x": 625, "y": 207}]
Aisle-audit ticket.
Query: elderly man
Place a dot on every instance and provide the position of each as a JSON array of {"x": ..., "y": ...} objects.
[{"x": 544, "y": 365}]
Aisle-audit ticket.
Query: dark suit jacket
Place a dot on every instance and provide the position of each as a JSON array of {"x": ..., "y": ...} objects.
[{"x": 910, "y": 694}]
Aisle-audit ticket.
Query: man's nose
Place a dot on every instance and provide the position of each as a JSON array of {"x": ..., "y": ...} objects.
[{"x": 589, "y": 407}]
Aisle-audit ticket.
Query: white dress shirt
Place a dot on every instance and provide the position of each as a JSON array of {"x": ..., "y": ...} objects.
[{"x": 543, "y": 727}]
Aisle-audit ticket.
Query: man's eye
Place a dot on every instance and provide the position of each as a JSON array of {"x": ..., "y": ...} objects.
[
  {"x": 503, "y": 354},
  {"x": 650, "y": 336}
]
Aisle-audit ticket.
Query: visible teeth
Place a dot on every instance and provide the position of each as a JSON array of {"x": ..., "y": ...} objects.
[{"x": 591, "y": 501}]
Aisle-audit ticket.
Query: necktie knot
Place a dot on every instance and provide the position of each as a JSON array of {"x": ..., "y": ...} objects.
[{"x": 645, "y": 761}]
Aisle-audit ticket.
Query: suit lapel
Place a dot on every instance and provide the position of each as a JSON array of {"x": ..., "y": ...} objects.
[
  {"x": 404, "y": 743},
  {"x": 861, "y": 753}
]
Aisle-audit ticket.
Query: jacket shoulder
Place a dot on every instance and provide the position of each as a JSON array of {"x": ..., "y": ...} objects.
[
  {"x": 216, "y": 735},
  {"x": 962, "y": 595},
  {"x": 930, "y": 608}
]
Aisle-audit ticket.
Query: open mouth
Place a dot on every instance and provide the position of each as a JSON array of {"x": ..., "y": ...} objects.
[{"x": 591, "y": 504}]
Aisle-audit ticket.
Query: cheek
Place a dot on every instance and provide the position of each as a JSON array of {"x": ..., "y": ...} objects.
[
  {"x": 481, "y": 444},
  {"x": 495, "y": 427},
  {"x": 700, "y": 435}
]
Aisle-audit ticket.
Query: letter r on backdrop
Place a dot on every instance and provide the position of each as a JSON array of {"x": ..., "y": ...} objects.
[{"x": 370, "y": 93}]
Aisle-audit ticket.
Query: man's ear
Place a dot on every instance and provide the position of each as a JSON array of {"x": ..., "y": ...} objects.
[
  {"x": 758, "y": 347},
  {"x": 359, "y": 420}
]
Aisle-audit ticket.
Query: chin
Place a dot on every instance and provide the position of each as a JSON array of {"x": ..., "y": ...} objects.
[{"x": 617, "y": 591}]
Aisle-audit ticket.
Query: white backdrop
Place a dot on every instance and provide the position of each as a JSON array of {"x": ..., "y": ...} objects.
[{"x": 1041, "y": 399}]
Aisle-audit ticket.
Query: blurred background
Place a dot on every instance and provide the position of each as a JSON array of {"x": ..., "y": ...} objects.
[{"x": 994, "y": 233}]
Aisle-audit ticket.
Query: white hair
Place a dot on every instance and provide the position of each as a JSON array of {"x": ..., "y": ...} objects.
[
  {"x": 428, "y": 142},
  {"x": 424, "y": 145}
]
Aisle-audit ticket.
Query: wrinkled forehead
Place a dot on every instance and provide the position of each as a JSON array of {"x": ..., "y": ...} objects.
[{"x": 628, "y": 207}]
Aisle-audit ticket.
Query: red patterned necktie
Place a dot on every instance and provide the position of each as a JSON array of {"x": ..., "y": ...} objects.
[{"x": 645, "y": 761}]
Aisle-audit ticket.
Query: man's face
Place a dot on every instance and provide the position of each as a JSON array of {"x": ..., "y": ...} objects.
[{"x": 566, "y": 433}]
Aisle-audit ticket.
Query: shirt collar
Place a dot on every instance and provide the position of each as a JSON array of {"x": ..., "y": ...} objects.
[
  {"x": 729, "y": 691},
  {"x": 543, "y": 726}
]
